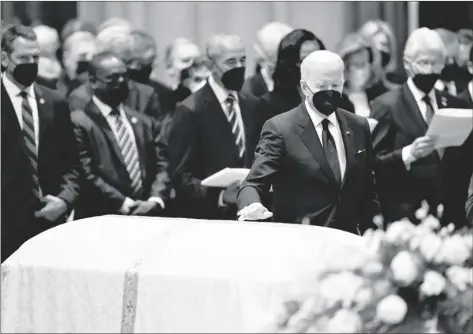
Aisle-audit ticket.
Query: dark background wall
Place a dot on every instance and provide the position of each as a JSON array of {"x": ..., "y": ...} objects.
[{"x": 453, "y": 15}]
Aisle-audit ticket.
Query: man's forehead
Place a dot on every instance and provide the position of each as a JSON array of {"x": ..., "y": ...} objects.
[
  {"x": 23, "y": 44},
  {"x": 187, "y": 51},
  {"x": 111, "y": 65}
]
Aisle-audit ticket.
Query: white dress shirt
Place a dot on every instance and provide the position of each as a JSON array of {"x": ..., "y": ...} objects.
[
  {"x": 111, "y": 120},
  {"x": 360, "y": 102},
  {"x": 470, "y": 89},
  {"x": 268, "y": 80},
  {"x": 335, "y": 131}
]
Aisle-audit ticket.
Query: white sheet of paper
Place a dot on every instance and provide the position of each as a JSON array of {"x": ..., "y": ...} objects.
[
  {"x": 226, "y": 177},
  {"x": 451, "y": 126},
  {"x": 372, "y": 123}
]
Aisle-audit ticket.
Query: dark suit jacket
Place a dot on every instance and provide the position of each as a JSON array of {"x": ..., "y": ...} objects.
[
  {"x": 106, "y": 182},
  {"x": 290, "y": 157},
  {"x": 255, "y": 86},
  {"x": 201, "y": 143},
  {"x": 57, "y": 167},
  {"x": 466, "y": 96},
  {"x": 142, "y": 98},
  {"x": 400, "y": 123}
]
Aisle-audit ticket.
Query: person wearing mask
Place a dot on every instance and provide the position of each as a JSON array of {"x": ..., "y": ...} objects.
[
  {"x": 179, "y": 55},
  {"x": 142, "y": 98},
  {"x": 214, "y": 128},
  {"x": 115, "y": 22},
  {"x": 75, "y": 25},
  {"x": 380, "y": 34},
  {"x": 266, "y": 47},
  {"x": 449, "y": 76},
  {"x": 287, "y": 93},
  {"x": 49, "y": 68},
  {"x": 39, "y": 157},
  {"x": 317, "y": 157},
  {"x": 361, "y": 85},
  {"x": 123, "y": 160},
  {"x": 78, "y": 50},
  {"x": 407, "y": 165},
  {"x": 467, "y": 94}
]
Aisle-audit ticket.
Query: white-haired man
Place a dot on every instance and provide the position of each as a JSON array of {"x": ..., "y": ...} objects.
[
  {"x": 407, "y": 165},
  {"x": 449, "y": 75},
  {"x": 266, "y": 47},
  {"x": 179, "y": 55},
  {"x": 214, "y": 128},
  {"x": 317, "y": 157},
  {"x": 142, "y": 98},
  {"x": 49, "y": 68}
]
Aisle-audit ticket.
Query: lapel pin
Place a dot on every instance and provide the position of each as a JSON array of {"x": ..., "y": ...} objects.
[
  {"x": 134, "y": 120},
  {"x": 348, "y": 132},
  {"x": 41, "y": 100}
]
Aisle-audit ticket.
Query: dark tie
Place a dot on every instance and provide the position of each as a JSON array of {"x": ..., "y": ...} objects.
[
  {"x": 30, "y": 143},
  {"x": 330, "y": 150},
  {"x": 429, "y": 114},
  {"x": 233, "y": 120},
  {"x": 129, "y": 153}
]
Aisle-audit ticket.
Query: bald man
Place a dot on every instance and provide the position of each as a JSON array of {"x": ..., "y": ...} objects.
[
  {"x": 266, "y": 47},
  {"x": 214, "y": 128},
  {"x": 317, "y": 157},
  {"x": 407, "y": 165}
]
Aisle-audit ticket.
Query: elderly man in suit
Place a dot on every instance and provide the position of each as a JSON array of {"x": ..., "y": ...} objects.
[
  {"x": 39, "y": 157},
  {"x": 123, "y": 160},
  {"x": 214, "y": 128},
  {"x": 317, "y": 157},
  {"x": 409, "y": 169},
  {"x": 266, "y": 46}
]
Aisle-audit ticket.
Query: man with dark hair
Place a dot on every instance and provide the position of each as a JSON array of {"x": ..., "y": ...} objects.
[
  {"x": 123, "y": 159},
  {"x": 39, "y": 158}
]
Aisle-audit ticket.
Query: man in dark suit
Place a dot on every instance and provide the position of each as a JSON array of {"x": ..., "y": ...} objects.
[
  {"x": 214, "y": 128},
  {"x": 141, "y": 98},
  {"x": 266, "y": 46},
  {"x": 124, "y": 162},
  {"x": 408, "y": 167},
  {"x": 317, "y": 157},
  {"x": 39, "y": 159}
]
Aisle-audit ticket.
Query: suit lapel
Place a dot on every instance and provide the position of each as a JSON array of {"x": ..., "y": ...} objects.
[
  {"x": 137, "y": 127},
  {"x": 349, "y": 143},
  {"x": 412, "y": 110},
  {"x": 311, "y": 140}
]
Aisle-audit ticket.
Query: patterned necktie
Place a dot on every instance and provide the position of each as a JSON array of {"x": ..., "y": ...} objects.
[
  {"x": 129, "y": 153},
  {"x": 429, "y": 114},
  {"x": 330, "y": 150},
  {"x": 30, "y": 143},
  {"x": 233, "y": 120}
]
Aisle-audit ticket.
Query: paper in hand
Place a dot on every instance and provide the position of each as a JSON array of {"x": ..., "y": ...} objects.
[
  {"x": 226, "y": 177},
  {"x": 451, "y": 127}
]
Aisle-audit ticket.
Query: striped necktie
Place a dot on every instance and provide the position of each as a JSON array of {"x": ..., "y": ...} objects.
[
  {"x": 429, "y": 110},
  {"x": 30, "y": 143},
  {"x": 129, "y": 153},
  {"x": 236, "y": 130}
]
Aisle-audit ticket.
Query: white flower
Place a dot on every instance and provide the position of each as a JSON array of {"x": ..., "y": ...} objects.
[
  {"x": 431, "y": 223},
  {"x": 382, "y": 288},
  {"x": 399, "y": 232},
  {"x": 405, "y": 269},
  {"x": 373, "y": 269},
  {"x": 454, "y": 251},
  {"x": 345, "y": 321},
  {"x": 468, "y": 240},
  {"x": 430, "y": 245},
  {"x": 460, "y": 277},
  {"x": 391, "y": 310},
  {"x": 364, "y": 297},
  {"x": 341, "y": 287},
  {"x": 434, "y": 284},
  {"x": 422, "y": 212}
]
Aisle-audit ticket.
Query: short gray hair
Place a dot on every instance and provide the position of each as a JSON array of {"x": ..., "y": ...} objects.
[
  {"x": 117, "y": 40},
  {"x": 115, "y": 22},
  {"x": 217, "y": 44},
  {"x": 47, "y": 37},
  {"x": 269, "y": 37},
  {"x": 316, "y": 60},
  {"x": 422, "y": 39}
]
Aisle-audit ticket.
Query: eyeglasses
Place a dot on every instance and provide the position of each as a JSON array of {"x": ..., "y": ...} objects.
[{"x": 425, "y": 65}]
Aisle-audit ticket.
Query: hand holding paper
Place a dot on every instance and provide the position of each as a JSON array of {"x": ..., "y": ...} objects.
[{"x": 254, "y": 211}]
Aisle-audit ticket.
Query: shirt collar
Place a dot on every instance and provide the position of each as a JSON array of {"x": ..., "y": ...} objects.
[
  {"x": 318, "y": 117},
  {"x": 419, "y": 95},
  {"x": 470, "y": 89},
  {"x": 104, "y": 109},
  {"x": 220, "y": 92},
  {"x": 13, "y": 90}
]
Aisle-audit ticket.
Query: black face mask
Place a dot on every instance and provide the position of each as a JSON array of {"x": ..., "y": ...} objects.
[
  {"x": 425, "y": 82},
  {"x": 113, "y": 97},
  {"x": 141, "y": 75},
  {"x": 326, "y": 101},
  {"x": 82, "y": 66},
  {"x": 25, "y": 74},
  {"x": 233, "y": 79},
  {"x": 385, "y": 58}
]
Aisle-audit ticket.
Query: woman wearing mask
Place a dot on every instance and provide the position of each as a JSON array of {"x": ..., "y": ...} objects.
[
  {"x": 293, "y": 48},
  {"x": 361, "y": 83}
]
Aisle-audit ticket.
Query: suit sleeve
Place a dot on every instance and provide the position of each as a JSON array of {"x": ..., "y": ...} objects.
[
  {"x": 160, "y": 186},
  {"x": 108, "y": 191},
  {"x": 266, "y": 164},
  {"x": 69, "y": 156}
]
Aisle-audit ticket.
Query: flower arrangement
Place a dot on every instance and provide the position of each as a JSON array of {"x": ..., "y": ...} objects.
[{"x": 408, "y": 279}]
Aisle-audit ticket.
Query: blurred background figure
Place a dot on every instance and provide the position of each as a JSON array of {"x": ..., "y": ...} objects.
[
  {"x": 115, "y": 22},
  {"x": 361, "y": 83},
  {"x": 4, "y": 27},
  {"x": 266, "y": 47},
  {"x": 49, "y": 68},
  {"x": 380, "y": 34},
  {"x": 449, "y": 76},
  {"x": 75, "y": 25},
  {"x": 467, "y": 94},
  {"x": 465, "y": 41},
  {"x": 78, "y": 50},
  {"x": 180, "y": 54}
]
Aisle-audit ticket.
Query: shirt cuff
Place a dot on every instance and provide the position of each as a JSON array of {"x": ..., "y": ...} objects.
[
  {"x": 407, "y": 157},
  {"x": 220, "y": 200},
  {"x": 125, "y": 206},
  {"x": 158, "y": 200}
]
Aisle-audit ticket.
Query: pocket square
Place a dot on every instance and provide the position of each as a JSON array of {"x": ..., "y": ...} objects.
[{"x": 360, "y": 151}]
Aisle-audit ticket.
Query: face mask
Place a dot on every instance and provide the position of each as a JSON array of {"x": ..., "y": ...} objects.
[
  {"x": 358, "y": 78},
  {"x": 141, "y": 75},
  {"x": 25, "y": 74},
  {"x": 385, "y": 58},
  {"x": 82, "y": 66},
  {"x": 233, "y": 79},
  {"x": 326, "y": 101},
  {"x": 425, "y": 82},
  {"x": 115, "y": 96}
]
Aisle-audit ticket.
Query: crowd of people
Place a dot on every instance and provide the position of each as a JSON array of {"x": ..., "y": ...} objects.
[{"x": 88, "y": 129}]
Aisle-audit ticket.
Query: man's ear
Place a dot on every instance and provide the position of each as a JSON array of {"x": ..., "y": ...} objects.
[{"x": 4, "y": 59}]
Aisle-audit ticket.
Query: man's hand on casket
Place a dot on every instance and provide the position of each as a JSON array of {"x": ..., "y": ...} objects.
[
  {"x": 143, "y": 208},
  {"x": 54, "y": 208},
  {"x": 254, "y": 211}
]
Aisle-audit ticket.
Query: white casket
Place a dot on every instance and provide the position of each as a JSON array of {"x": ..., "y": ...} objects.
[{"x": 116, "y": 274}]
